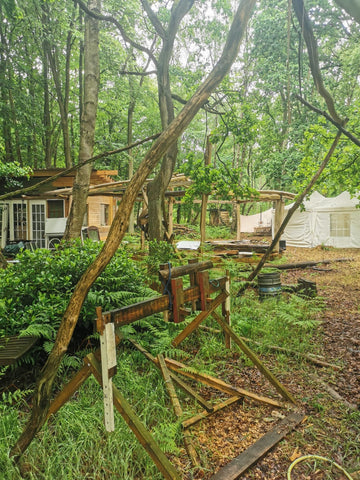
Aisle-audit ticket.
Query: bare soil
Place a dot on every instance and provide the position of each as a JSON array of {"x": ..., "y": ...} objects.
[{"x": 329, "y": 398}]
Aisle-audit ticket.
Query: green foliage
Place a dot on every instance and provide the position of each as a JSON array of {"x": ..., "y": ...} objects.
[
  {"x": 34, "y": 293},
  {"x": 218, "y": 180},
  {"x": 159, "y": 252},
  {"x": 11, "y": 174},
  {"x": 288, "y": 322}
]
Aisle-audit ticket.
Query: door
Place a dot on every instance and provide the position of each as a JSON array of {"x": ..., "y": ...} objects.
[
  {"x": 18, "y": 222},
  {"x": 38, "y": 224}
]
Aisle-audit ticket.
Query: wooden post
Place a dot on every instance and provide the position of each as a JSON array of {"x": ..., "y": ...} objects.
[
  {"x": 238, "y": 221},
  {"x": 226, "y": 310},
  {"x": 204, "y": 199},
  {"x": 108, "y": 364},
  {"x": 279, "y": 216},
  {"x": 171, "y": 216},
  {"x": 133, "y": 421}
]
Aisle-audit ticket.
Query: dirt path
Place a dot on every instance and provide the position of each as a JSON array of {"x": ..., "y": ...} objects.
[
  {"x": 339, "y": 284},
  {"x": 329, "y": 398}
]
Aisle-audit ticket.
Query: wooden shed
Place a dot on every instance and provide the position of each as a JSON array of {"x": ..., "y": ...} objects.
[{"x": 41, "y": 217}]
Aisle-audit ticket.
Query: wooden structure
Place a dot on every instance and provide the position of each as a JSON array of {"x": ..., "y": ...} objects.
[
  {"x": 41, "y": 216},
  {"x": 178, "y": 302}
]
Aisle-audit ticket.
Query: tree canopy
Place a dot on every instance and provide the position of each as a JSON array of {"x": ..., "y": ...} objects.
[{"x": 256, "y": 120}]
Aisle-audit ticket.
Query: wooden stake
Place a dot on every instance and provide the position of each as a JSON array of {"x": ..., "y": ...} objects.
[{"x": 133, "y": 421}]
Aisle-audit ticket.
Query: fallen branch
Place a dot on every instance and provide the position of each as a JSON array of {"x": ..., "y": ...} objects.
[
  {"x": 334, "y": 394},
  {"x": 306, "y": 356},
  {"x": 288, "y": 266}
]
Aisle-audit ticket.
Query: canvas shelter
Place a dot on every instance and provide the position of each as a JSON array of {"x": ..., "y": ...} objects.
[{"x": 333, "y": 222}]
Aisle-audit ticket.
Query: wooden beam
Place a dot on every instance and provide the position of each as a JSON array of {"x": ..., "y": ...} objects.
[
  {"x": 255, "y": 359},
  {"x": 200, "y": 416},
  {"x": 194, "y": 457},
  {"x": 217, "y": 383},
  {"x": 69, "y": 389},
  {"x": 185, "y": 269},
  {"x": 200, "y": 318},
  {"x": 133, "y": 421},
  {"x": 234, "y": 469},
  {"x": 131, "y": 313}
]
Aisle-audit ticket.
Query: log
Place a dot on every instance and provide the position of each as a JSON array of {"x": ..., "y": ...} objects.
[{"x": 289, "y": 266}]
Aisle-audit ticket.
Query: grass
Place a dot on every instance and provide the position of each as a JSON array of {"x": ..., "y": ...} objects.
[{"x": 74, "y": 443}]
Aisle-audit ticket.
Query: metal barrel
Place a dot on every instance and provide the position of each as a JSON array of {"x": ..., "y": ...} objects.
[{"x": 269, "y": 284}]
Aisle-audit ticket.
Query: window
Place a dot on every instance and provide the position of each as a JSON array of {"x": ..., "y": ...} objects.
[
  {"x": 339, "y": 224},
  {"x": 55, "y": 208},
  {"x": 104, "y": 214}
]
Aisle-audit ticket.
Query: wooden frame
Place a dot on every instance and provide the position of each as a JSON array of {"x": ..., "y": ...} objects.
[{"x": 199, "y": 294}]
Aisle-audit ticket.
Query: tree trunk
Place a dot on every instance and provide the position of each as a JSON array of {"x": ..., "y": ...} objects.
[
  {"x": 87, "y": 127},
  {"x": 42, "y": 393},
  {"x": 156, "y": 189}
]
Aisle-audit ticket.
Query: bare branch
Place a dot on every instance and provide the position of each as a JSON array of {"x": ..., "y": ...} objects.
[
  {"x": 311, "y": 44},
  {"x": 328, "y": 117}
]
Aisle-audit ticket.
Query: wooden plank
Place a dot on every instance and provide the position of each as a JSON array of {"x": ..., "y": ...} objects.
[
  {"x": 217, "y": 383},
  {"x": 13, "y": 348},
  {"x": 234, "y": 469},
  {"x": 108, "y": 361},
  {"x": 142, "y": 434},
  {"x": 194, "y": 457},
  {"x": 254, "y": 358},
  {"x": 197, "y": 320},
  {"x": 200, "y": 416},
  {"x": 226, "y": 310}
]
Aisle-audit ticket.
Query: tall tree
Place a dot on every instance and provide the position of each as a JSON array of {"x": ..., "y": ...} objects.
[{"x": 88, "y": 121}]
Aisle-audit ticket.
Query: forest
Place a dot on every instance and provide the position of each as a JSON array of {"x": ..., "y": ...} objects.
[{"x": 238, "y": 97}]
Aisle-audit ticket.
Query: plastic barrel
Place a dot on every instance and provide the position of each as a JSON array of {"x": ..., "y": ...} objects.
[{"x": 269, "y": 284}]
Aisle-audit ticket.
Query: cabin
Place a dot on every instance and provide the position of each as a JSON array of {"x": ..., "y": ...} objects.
[{"x": 40, "y": 217}]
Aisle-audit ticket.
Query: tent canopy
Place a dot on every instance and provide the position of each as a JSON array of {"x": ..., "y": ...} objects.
[{"x": 333, "y": 222}]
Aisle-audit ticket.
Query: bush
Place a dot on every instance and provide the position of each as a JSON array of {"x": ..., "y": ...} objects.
[{"x": 34, "y": 293}]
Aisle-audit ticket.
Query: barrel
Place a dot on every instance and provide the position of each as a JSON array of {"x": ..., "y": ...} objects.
[{"x": 269, "y": 284}]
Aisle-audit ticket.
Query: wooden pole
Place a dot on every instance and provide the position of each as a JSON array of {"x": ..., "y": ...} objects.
[
  {"x": 204, "y": 200},
  {"x": 238, "y": 221},
  {"x": 279, "y": 217}
]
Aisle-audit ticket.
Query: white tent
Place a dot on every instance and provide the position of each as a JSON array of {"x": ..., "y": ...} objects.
[{"x": 333, "y": 222}]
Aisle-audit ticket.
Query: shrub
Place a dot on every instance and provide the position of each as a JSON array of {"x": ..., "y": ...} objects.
[{"x": 35, "y": 292}]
